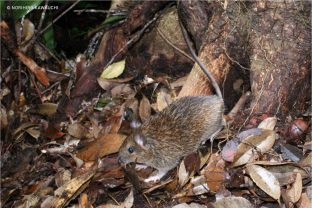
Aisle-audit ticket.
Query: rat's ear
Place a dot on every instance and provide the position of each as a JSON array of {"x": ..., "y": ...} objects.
[{"x": 140, "y": 140}]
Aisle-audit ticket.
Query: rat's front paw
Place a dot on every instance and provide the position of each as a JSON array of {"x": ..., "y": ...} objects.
[{"x": 153, "y": 178}]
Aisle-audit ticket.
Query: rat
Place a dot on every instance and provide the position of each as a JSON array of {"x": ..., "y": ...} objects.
[{"x": 178, "y": 130}]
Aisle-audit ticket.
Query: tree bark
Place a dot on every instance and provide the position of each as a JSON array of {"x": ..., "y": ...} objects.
[{"x": 280, "y": 57}]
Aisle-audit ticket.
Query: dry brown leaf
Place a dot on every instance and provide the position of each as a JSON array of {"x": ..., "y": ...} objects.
[
  {"x": 84, "y": 202},
  {"x": 47, "y": 109},
  {"x": 163, "y": 99},
  {"x": 247, "y": 150},
  {"x": 294, "y": 193},
  {"x": 144, "y": 109},
  {"x": 121, "y": 89},
  {"x": 215, "y": 173},
  {"x": 305, "y": 201},
  {"x": 265, "y": 180},
  {"x": 105, "y": 145},
  {"x": 77, "y": 130},
  {"x": 69, "y": 191},
  {"x": 233, "y": 202},
  {"x": 268, "y": 123}
]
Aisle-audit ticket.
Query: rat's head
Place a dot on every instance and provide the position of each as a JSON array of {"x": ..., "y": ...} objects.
[{"x": 134, "y": 149}]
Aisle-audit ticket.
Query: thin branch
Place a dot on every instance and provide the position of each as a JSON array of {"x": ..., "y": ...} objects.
[{"x": 57, "y": 18}]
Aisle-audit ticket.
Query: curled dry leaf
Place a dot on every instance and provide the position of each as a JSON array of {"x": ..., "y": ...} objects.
[
  {"x": 183, "y": 175},
  {"x": 232, "y": 202},
  {"x": 77, "y": 130},
  {"x": 229, "y": 150},
  {"x": 3, "y": 118},
  {"x": 145, "y": 109},
  {"x": 105, "y": 145},
  {"x": 163, "y": 99},
  {"x": 294, "y": 193},
  {"x": 47, "y": 109},
  {"x": 114, "y": 70},
  {"x": 28, "y": 30},
  {"x": 215, "y": 173},
  {"x": 64, "y": 194},
  {"x": 122, "y": 89},
  {"x": 192, "y": 205},
  {"x": 291, "y": 152},
  {"x": 283, "y": 171},
  {"x": 305, "y": 201},
  {"x": 265, "y": 180},
  {"x": 246, "y": 150},
  {"x": 268, "y": 123}
]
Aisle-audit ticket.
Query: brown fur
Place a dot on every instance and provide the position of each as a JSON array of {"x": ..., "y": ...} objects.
[{"x": 175, "y": 132}]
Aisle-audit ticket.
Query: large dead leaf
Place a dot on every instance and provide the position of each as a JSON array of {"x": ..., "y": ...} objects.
[
  {"x": 145, "y": 109},
  {"x": 192, "y": 205},
  {"x": 69, "y": 191},
  {"x": 163, "y": 99},
  {"x": 105, "y": 145},
  {"x": 268, "y": 123},
  {"x": 188, "y": 167},
  {"x": 247, "y": 150},
  {"x": 265, "y": 180},
  {"x": 77, "y": 130},
  {"x": 232, "y": 202},
  {"x": 47, "y": 109},
  {"x": 215, "y": 173},
  {"x": 294, "y": 192}
]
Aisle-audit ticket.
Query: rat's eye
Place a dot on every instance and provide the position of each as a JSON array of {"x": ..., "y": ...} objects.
[{"x": 130, "y": 150}]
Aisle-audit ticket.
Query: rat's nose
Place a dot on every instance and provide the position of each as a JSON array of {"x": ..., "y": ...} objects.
[{"x": 120, "y": 161}]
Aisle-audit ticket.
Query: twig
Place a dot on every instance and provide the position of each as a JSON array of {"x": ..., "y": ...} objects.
[
  {"x": 112, "y": 12},
  {"x": 57, "y": 18},
  {"x": 173, "y": 46},
  {"x": 36, "y": 87}
]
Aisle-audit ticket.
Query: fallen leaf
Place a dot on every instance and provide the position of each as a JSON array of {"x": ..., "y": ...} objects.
[
  {"x": 121, "y": 89},
  {"x": 215, "y": 173},
  {"x": 183, "y": 175},
  {"x": 163, "y": 99},
  {"x": 114, "y": 70},
  {"x": 305, "y": 201},
  {"x": 268, "y": 123},
  {"x": 294, "y": 193},
  {"x": 192, "y": 205},
  {"x": 77, "y": 130},
  {"x": 144, "y": 109},
  {"x": 105, "y": 145},
  {"x": 28, "y": 30},
  {"x": 47, "y": 109},
  {"x": 69, "y": 191},
  {"x": 247, "y": 149},
  {"x": 265, "y": 180},
  {"x": 291, "y": 152},
  {"x": 232, "y": 202}
]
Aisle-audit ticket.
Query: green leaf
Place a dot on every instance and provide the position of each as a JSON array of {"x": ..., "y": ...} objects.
[
  {"x": 113, "y": 19},
  {"x": 114, "y": 70},
  {"x": 20, "y": 8},
  {"x": 102, "y": 102},
  {"x": 48, "y": 37}
]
